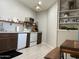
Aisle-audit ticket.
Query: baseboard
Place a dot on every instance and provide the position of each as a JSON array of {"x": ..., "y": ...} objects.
[{"x": 48, "y": 45}]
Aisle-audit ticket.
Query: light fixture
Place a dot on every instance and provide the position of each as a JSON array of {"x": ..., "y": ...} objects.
[
  {"x": 38, "y": 5},
  {"x": 37, "y": 8},
  {"x": 40, "y": 2}
]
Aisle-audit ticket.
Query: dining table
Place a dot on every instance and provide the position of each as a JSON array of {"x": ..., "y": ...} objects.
[{"x": 69, "y": 47}]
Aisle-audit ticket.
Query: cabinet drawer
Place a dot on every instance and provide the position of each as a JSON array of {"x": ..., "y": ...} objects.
[
  {"x": 8, "y": 35},
  {"x": 3, "y": 35},
  {"x": 13, "y": 34}
]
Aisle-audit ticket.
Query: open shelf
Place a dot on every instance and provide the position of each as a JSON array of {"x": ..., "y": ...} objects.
[
  {"x": 68, "y": 14},
  {"x": 73, "y": 10},
  {"x": 11, "y": 22},
  {"x": 70, "y": 23},
  {"x": 69, "y": 17}
]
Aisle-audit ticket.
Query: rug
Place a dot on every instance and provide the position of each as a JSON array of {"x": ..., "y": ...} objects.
[{"x": 9, "y": 54}]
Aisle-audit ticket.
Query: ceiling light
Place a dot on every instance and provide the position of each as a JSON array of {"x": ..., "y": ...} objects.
[
  {"x": 37, "y": 7},
  {"x": 40, "y": 2}
]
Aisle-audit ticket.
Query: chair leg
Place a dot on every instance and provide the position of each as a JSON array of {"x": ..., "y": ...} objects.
[
  {"x": 66, "y": 55},
  {"x": 61, "y": 55}
]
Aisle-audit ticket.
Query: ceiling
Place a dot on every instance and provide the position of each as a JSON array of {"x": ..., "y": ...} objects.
[{"x": 33, "y": 3}]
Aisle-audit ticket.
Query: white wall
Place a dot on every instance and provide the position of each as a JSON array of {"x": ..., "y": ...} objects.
[
  {"x": 52, "y": 26},
  {"x": 14, "y": 9},
  {"x": 42, "y": 25},
  {"x": 48, "y": 25},
  {"x": 67, "y": 35}
]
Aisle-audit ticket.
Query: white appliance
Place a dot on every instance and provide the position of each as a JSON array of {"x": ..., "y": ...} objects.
[
  {"x": 17, "y": 28},
  {"x": 22, "y": 37},
  {"x": 33, "y": 38}
]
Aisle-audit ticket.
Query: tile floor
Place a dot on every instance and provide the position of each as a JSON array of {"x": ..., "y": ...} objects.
[{"x": 34, "y": 52}]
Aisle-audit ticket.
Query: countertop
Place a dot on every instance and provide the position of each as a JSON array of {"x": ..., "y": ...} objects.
[{"x": 16, "y": 32}]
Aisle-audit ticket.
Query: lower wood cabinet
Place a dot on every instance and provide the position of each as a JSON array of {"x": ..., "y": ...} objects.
[
  {"x": 3, "y": 45},
  {"x": 8, "y": 41},
  {"x": 28, "y": 40},
  {"x": 39, "y": 38}
]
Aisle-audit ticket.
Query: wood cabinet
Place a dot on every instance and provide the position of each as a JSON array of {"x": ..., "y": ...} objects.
[
  {"x": 28, "y": 40},
  {"x": 13, "y": 37},
  {"x": 8, "y": 41},
  {"x": 39, "y": 38}
]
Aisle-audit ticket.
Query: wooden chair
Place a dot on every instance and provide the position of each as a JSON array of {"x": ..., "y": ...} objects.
[{"x": 75, "y": 56}]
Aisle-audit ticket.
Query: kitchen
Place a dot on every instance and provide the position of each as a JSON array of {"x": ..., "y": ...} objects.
[
  {"x": 12, "y": 15},
  {"x": 20, "y": 30}
]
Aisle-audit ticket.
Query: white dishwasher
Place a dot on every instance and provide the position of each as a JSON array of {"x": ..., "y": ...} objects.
[
  {"x": 22, "y": 37},
  {"x": 33, "y": 38}
]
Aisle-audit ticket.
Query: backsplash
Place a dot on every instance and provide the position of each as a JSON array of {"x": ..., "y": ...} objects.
[
  {"x": 28, "y": 25},
  {"x": 10, "y": 27}
]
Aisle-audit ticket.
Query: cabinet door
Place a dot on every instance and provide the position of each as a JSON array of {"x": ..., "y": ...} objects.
[
  {"x": 12, "y": 41},
  {"x": 3, "y": 44},
  {"x": 39, "y": 38},
  {"x": 28, "y": 40},
  {"x": 8, "y": 41}
]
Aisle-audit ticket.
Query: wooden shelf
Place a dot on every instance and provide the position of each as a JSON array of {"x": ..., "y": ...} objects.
[
  {"x": 11, "y": 22},
  {"x": 73, "y": 10},
  {"x": 70, "y": 23},
  {"x": 27, "y": 22},
  {"x": 69, "y": 17}
]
